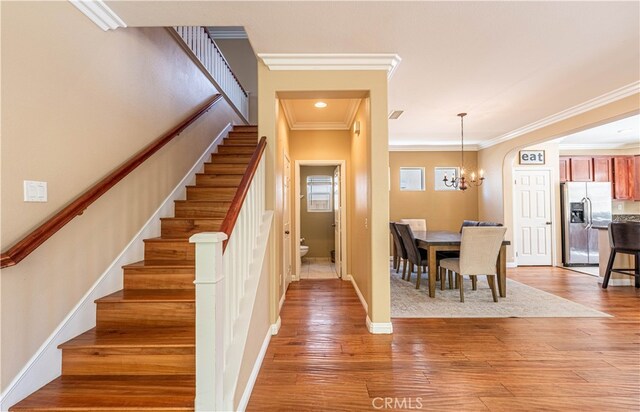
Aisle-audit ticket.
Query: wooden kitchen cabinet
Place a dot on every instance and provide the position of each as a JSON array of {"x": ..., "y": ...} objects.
[
  {"x": 623, "y": 179},
  {"x": 602, "y": 169},
  {"x": 581, "y": 169}
]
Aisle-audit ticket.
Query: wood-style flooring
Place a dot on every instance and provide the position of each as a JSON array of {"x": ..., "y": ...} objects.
[{"x": 324, "y": 358}]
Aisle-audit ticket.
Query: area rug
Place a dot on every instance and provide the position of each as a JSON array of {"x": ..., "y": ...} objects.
[{"x": 522, "y": 301}]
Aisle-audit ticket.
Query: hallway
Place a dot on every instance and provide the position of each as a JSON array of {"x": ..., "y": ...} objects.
[{"x": 325, "y": 359}]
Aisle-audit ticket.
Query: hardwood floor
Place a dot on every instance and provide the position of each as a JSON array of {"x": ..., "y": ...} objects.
[{"x": 325, "y": 359}]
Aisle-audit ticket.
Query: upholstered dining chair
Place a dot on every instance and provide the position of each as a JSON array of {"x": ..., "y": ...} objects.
[
  {"x": 467, "y": 223},
  {"x": 415, "y": 255},
  {"x": 489, "y": 224},
  {"x": 400, "y": 252},
  {"x": 416, "y": 224},
  {"x": 479, "y": 248}
]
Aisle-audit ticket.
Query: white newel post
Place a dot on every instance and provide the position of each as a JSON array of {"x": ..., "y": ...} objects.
[{"x": 209, "y": 320}]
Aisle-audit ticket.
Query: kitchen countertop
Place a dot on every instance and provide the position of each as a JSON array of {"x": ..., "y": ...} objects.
[{"x": 619, "y": 218}]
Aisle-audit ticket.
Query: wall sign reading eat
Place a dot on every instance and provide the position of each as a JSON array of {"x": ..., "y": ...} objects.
[{"x": 531, "y": 157}]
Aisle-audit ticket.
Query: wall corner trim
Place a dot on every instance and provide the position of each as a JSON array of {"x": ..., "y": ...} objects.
[
  {"x": 275, "y": 328},
  {"x": 379, "y": 328},
  {"x": 332, "y": 61},
  {"x": 99, "y": 13},
  {"x": 248, "y": 389}
]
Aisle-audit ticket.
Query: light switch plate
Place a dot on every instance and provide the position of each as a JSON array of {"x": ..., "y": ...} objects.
[{"x": 35, "y": 191}]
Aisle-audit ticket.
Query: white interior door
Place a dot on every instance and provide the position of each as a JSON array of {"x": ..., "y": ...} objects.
[
  {"x": 337, "y": 225},
  {"x": 286, "y": 224},
  {"x": 532, "y": 217}
]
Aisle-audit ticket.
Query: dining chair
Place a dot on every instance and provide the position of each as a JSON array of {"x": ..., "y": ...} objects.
[
  {"x": 624, "y": 237},
  {"x": 415, "y": 255},
  {"x": 489, "y": 224},
  {"x": 467, "y": 223},
  {"x": 400, "y": 252},
  {"x": 479, "y": 248},
  {"x": 416, "y": 224}
]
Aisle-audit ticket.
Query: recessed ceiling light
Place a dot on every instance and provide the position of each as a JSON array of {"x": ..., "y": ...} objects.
[
  {"x": 395, "y": 114},
  {"x": 625, "y": 130},
  {"x": 320, "y": 105}
]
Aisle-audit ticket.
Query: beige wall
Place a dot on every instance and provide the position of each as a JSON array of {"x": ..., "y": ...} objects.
[
  {"x": 77, "y": 102},
  {"x": 243, "y": 62},
  {"x": 372, "y": 191},
  {"x": 315, "y": 227},
  {"x": 495, "y": 198},
  {"x": 443, "y": 210}
]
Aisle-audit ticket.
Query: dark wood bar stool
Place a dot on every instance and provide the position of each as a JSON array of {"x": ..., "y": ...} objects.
[{"x": 624, "y": 237}]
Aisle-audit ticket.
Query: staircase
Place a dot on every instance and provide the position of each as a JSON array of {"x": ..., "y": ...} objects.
[{"x": 141, "y": 354}]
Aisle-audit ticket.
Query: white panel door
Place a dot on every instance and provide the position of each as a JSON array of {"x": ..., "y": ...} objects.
[
  {"x": 337, "y": 226},
  {"x": 532, "y": 217}
]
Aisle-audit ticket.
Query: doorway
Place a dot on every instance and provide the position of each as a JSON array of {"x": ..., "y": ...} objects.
[
  {"x": 532, "y": 217},
  {"x": 319, "y": 204}
]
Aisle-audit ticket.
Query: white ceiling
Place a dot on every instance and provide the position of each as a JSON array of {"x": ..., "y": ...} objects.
[
  {"x": 507, "y": 64},
  {"x": 301, "y": 114},
  {"x": 624, "y": 133}
]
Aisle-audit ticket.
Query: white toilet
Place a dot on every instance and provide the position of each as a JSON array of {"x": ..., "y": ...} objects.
[{"x": 304, "y": 249}]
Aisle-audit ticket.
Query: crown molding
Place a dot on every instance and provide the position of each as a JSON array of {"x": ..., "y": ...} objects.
[
  {"x": 344, "y": 124},
  {"x": 99, "y": 13},
  {"x": 606, "y": 98},
  {"x": 598, "y": 146},
  {"x": 341, "y": 61},
  {"x": 432, "y": 148}
]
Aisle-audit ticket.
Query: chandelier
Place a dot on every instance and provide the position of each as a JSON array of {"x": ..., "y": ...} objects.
[{"x": 461, "y": 181}]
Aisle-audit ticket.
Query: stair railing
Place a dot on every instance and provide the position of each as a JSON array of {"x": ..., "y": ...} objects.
[
  {"x": 228, "y": 267},
  {"x": 208, "y": 56},
  {"x": 39, "y": 235}
]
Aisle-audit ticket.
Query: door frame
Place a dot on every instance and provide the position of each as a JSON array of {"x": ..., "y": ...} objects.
[
  {"x": 286, "y": 277},
  {"x": 552, "y": 211},
  {"x": 343, "y": 212}
]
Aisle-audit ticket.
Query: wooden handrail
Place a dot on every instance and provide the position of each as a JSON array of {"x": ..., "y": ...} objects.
[
  {"x": 236, "y": 204},
  {"x": 43, "y": 232}
]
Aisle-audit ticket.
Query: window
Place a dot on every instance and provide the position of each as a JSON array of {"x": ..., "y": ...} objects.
[
  {"x": 412, "y": 178},
  {"x": 440, "y": 172},
  {"x": 319, "y": 193}
]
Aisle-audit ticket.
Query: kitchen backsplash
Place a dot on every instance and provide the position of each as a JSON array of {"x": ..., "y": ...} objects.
[{"x": 622, "y": 207}]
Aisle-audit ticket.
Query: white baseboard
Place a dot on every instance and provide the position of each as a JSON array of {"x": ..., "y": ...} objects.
[
  {"x": 512, "y": 264},
  {"x": 355, "y": 286},
  {"x": 379, "y": 328},
  {"x": 275, "y": 328},
  {"x": 45, "y": 365},
  {"x": 254, "y": 373}
]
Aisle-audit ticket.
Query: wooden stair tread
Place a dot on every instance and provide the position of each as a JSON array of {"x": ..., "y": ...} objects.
[
  {"x": 150, "y": 295},
  {"x": 121, "y": 393},
  {"x": 134, "y": 337},
  {"x": 175, "y": 264}
]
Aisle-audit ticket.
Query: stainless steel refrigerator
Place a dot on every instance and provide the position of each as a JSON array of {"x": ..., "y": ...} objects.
[{"x": 585, "y": 205}]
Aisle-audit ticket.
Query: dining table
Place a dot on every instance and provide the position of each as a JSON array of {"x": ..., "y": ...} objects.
[{"x": 434, "y": 241}]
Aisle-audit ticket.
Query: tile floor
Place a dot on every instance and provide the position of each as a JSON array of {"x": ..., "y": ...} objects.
[{"x": 317, "y": 268}]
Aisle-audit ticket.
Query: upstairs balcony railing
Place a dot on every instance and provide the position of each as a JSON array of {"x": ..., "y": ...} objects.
[{"x": 212, "y": 62}]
